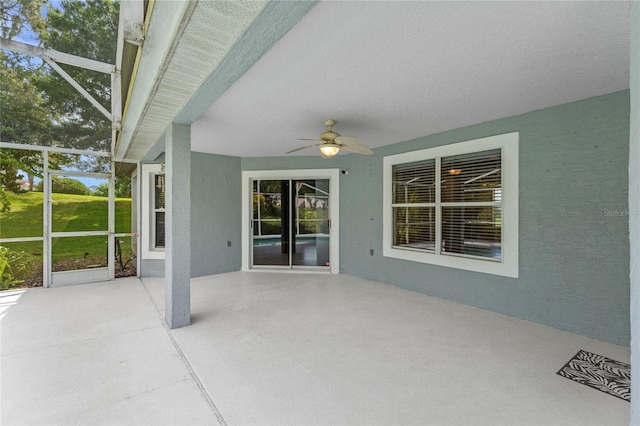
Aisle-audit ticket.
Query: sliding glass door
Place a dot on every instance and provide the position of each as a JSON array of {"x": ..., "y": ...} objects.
[{"x": 291, "y": 223}]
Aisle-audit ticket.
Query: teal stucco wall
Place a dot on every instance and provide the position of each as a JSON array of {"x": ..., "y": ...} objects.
[
  {"x": 215, "y": 214},
  {"x": 215, "y": 217},
  {"x": 574, "y": 246}
]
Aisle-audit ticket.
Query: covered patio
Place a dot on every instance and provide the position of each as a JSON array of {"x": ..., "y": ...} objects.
[
  {"x": 209, "y": 333},
  {"x": 276, "y": 348}
]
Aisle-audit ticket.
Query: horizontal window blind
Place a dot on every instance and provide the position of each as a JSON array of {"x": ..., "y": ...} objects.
[
  {"x": 415, "y": 227},
  {"x": 471, "y": 200},
  {"x": 471, "y": 177},
  {"x": 414, "y": 195},
  {"x": 159, "y": 191},
  {"x": 160, "y": 229},
  {"x": 472, "y": 231},
  {"x": 414, "y": 182},
  {"x": 159, "y": 206},
  {"x": 468, "y": 200}
]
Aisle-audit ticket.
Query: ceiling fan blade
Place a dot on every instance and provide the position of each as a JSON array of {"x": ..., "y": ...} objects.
[
  {"x": 314, "y": 140},
  {"x": 357, "y": 148},
  {"x": 348, "y": 140},
  {"x": 299, "y": 149}
]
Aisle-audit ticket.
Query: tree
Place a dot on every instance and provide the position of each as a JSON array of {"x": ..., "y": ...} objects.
[
  {"x": 38, "y": 106},
  {"x": 62, "y": 185},
  {"x": 23, "y": 120},
  {"x": 19, "y": 16},
  {"x": 87, "y": 29},
  {"x": 122, "y": 188},
  {"x": 101, "y": 190}
]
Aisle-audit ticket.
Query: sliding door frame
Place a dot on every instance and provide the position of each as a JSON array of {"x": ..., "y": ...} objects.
[{"x": 333, "y": 175}]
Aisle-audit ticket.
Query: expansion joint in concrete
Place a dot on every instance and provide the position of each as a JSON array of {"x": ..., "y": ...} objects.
[{"x": 192, "y": 372}]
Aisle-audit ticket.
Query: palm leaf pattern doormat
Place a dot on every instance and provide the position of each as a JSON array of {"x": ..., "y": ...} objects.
[{"x": 599, "y": 372}]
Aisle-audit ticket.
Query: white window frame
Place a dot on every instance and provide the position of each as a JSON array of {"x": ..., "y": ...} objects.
[
  {"x": 508, "y": 264},
  {"x": 147, "y": 228},
  {"x": 334, "y": 212}
]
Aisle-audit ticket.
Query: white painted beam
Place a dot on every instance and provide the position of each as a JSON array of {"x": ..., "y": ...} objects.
[
  {"x": 96, "y": 175},
  {"x": 111, "y": 225},
  {"x": 20, "y": 240},
  {"x": 120, "y": 39},
  {"x": 116, "y": 107},
  {"x": 46, "y": 222},
  {"x": 78, "y": 87},
  {"x": 132, "y": 13},
  {"x": 42, "y": 148},
  {"x": 69, "y": 234},
  {"x": 57, "y": 56},
  {"x": 164, "y": 26}
]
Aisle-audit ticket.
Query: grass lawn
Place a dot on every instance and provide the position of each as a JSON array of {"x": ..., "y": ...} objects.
[{"x": 69, "y": 213}]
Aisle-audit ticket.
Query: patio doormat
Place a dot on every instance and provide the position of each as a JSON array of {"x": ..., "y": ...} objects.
[{"x": 599, "y": 372}]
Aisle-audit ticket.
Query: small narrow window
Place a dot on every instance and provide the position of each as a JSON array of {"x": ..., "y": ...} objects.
[
  {"x": 152, "y": 235},
  {"x": 158, "y": 209}
]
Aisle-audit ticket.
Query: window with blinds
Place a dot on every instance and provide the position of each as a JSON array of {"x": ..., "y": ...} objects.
[
  {"x": 158, "y": 210},
  {"x": 468, "y": 201},
  {"x": 471, "y": 202},
  {"x": 447, "y": 205},
  {"x": 414, "y": 202}
]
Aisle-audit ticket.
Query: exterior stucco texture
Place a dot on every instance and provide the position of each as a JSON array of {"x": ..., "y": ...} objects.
[{"x": 574, "y": 244}]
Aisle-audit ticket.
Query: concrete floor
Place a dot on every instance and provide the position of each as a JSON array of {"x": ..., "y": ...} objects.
[{"x": 276, "y": 348}]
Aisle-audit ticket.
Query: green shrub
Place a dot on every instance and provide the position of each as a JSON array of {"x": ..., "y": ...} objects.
[
  {"x": 101, "y": 190},
  {"x": 271, "y": 228},
  {"x": 15, "y": 266},
  {"x": 66, "y": 186}
]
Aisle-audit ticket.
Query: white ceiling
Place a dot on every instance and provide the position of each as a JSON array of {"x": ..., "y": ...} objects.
[{"x": 392, "y": 71}]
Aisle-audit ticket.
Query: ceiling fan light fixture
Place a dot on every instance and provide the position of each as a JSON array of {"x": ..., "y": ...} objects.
[
  {"x": 329, "y": 150},
  {"x": 331, "y": 143}
]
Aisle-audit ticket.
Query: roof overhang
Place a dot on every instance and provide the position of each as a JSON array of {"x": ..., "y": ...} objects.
[{"x": 192, "y": 52}]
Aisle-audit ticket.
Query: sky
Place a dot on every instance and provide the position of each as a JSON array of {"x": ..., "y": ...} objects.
[{"x": 29, "y": 36}]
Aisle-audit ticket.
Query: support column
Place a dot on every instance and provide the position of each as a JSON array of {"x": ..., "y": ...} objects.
[
  {"x": 46, "y": 222},
  {"x": 177, "y": 272}
]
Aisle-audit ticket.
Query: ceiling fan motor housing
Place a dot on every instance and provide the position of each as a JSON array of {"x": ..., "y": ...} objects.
[{"x": 329, "y": 136}]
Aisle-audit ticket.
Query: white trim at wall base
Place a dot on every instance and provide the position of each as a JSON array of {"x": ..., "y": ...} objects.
[{"x": 334, "y": 207}]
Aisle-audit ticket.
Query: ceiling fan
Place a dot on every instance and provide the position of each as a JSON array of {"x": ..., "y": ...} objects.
[{"x": 330, "y": 143}]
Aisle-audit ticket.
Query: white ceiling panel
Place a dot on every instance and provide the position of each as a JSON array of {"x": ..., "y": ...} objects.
[{"x": 390, "y": 71}]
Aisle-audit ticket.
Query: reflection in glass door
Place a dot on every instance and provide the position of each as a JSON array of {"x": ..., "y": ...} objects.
[
  {"x": 290, "y": 223},
  {"x": 311, "y": 230},
  {"x": 270, "y": 245}
]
